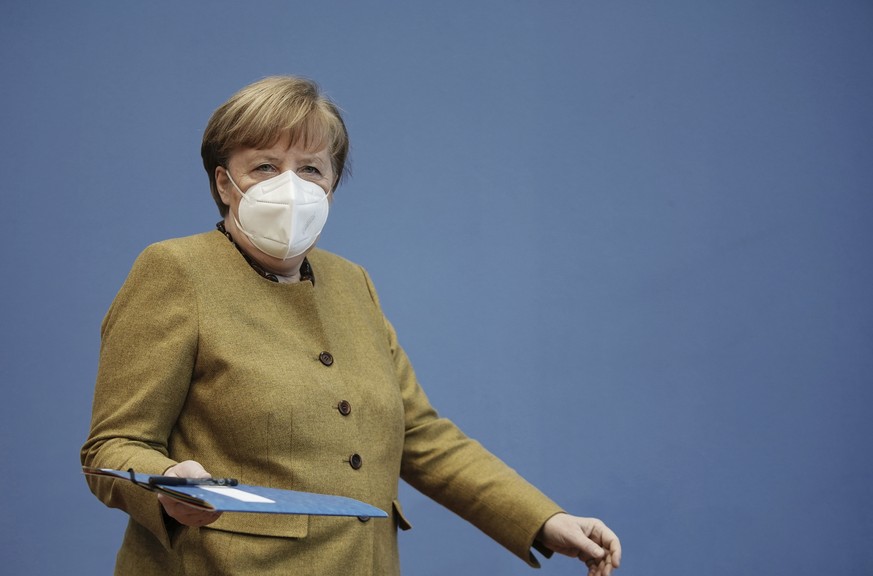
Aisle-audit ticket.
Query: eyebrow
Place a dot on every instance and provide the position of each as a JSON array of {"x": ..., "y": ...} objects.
[
  {"x": 267, "y": 157},
  {"x": 312, "y": 159}
]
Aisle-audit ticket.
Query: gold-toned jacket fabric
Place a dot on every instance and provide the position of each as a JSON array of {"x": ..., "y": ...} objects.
[{"x": 300, "y": 386}]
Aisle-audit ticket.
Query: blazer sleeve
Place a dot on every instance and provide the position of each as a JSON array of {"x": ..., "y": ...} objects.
[
  {"x": 147, "y": 353},
  {"x": 440, "y": 461}
]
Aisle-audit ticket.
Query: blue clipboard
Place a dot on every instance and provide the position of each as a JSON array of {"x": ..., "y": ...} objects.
[{"x": 246, "y": 498}]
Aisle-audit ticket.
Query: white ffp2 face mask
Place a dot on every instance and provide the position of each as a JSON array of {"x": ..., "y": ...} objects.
[{"x": 282, "y": 216}]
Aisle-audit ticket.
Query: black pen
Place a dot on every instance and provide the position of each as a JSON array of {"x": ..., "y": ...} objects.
[{"x": 176, "y": 481}]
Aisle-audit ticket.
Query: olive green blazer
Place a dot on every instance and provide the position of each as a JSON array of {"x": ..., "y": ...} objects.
[{"x": 300, "y": 386}]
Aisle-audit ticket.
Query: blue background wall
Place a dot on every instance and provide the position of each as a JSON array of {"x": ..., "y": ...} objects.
[{"x": 626, "y": 243}]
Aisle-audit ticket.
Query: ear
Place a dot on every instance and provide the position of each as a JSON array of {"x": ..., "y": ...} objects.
[{"x": 222, "y": 183}]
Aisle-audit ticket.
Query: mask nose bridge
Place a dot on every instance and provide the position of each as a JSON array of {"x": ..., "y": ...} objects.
[{"x": 269, "y": 184}]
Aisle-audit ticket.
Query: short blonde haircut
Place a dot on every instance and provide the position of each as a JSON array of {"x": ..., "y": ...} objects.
[{"x": 261, "y": 113}]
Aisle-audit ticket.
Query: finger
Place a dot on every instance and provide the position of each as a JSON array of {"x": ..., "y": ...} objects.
[
  {"x": 203, "y": 519},
  {"x": 609, "y": 540},
  {"x": 595, "y": 567},
  {"x": 186, "y": 514},
  {"x": 190, "y": 469},
  {"x": 197, "y": 519},
  {"x": 604, "y": 569},
  {"x": 588, "y": 548},
  {"x": 614, "y": 547}
]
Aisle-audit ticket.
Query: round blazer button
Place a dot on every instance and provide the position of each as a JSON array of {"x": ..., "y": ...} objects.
[
  {"x": 326, "y": 358},
  {"x": 364, "y": 518},
  {"x": 344, "y": 407},
  {"x": 356, "y": 461}
]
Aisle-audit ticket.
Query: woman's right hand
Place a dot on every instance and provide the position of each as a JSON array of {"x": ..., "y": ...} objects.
[{"x": 180, "y": 511}]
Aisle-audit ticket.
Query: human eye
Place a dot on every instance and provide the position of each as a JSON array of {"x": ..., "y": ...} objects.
[
  {"x": 265, "y": 167},
  {"x": 309, "y": 169}
]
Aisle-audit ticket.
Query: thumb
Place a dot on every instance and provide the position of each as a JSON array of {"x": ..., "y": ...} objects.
[
  {"x": 588, "y": 548},
  {"x": 569, "y": 535},
  {"x": 188, "y": 469}
]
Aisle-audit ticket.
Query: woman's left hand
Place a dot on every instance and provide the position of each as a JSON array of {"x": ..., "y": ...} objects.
[
  {"x": 184, "y": 513},
  {"x": 585, "y": 538}
]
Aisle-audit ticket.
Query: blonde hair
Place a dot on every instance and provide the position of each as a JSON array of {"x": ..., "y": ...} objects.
[{"x": 261, "y": 113}]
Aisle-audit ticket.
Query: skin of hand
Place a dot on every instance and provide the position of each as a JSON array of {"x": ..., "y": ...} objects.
[
  {"x": 585, "y": 538},
  {"x": 184, "y": 513}
]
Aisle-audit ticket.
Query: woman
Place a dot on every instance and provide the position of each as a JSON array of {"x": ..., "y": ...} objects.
[{"x": 247, "y": 352}]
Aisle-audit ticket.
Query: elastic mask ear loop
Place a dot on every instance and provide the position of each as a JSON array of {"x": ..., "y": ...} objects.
[
  {"x": 229, "y": 177},
  {"x": 242, "y": 194}
]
